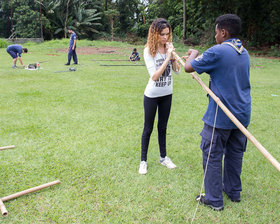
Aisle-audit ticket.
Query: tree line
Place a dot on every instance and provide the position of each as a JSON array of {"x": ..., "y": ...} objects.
[{"x": 192, "y": 20}]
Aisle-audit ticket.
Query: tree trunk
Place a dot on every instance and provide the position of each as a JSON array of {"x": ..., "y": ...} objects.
[
  {"x": 12, "y": 25},
  {"x": 41, "y": 19},
  {"x": 184, "y": 20},
  {"x": 106, "y": 5},
  {"x": 112, "y": 26},
  {"x": 66, "y": 19}
]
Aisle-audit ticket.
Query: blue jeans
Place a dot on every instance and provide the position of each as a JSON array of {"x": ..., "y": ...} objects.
[
  {"x": 228, "y": 143},
  {"x": 72, "y": 53}
]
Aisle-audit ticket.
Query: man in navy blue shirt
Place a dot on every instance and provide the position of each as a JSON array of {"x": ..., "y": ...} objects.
[
  {"x": 15, "y": 51},
  {"x": 228, "y": 65},
  {"x": 72, "y": 47}
]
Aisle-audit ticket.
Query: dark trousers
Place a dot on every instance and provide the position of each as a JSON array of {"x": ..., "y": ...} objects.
[
  {"x": 163, "y": 104},
  {"x": 13, "y": 54},
  {"x": 72, "y": 53},
  {"x": 228, "y": 143}
]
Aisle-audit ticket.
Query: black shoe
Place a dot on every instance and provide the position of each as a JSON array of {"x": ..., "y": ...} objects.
[
  {"x": 201, "y": 199},
  {"x": 236, "y": 200},
  {"x": 233, "y": 199},
  {"x": 67, "y": 63},
  {"x": 75, "y": 63}
]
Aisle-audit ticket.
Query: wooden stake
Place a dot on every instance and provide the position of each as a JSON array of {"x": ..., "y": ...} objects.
[
  {"x": 13, "y": 196},
  {"x": 3, "y": 209},
  {"x": 7, "y": 147},
  {"x": 255, "y": 142}
]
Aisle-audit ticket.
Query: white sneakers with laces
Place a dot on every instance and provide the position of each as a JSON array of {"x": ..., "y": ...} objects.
[
  {"x": 166, "y": 161},
  {"x": 143, "y": 167}
]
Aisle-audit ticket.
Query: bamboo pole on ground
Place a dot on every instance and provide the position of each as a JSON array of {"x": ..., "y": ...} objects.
[
  {"x": 255, "y": 142},
  {"x": 21, "y": 193},
  {"x": 3, "y": 209},
  {"x": 7, "y": 147}
]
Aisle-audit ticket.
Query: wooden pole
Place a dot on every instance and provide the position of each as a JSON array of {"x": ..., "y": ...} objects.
[
  {"x": 7, "y": 147},
  {"x": 13, "y": 196},
  {"x": 255, "y": 142},
  {"x": 3, "y": 209}
]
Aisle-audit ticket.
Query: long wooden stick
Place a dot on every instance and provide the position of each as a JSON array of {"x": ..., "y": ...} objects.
[
  {"x": 7, "y": 147},
  {"x": 259, "y": 146},
  {"x": 3, "y": 208},
  {"x": 13, "y": 196},
  {"x": 122, "y": 65}
]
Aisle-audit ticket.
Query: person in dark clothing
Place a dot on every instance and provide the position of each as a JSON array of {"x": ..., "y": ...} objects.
[
  {"x": 15, "y": 51},
  {"x": 72, "y": 47},
  {"x": 228, "y": 65},
  {"x": 134, "y": 55}
]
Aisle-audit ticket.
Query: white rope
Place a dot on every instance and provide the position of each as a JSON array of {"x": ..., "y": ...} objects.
[{"x": 206, "y": 163}]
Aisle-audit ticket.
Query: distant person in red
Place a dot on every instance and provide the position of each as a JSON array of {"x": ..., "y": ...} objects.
[{"x": 15, "y": 51}]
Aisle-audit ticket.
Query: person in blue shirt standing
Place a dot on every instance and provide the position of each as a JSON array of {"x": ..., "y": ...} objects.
[
  {"x": 15, "y": 51},
  {"x": 72, "y": 47},
  {"x": 228, "y": 65}
]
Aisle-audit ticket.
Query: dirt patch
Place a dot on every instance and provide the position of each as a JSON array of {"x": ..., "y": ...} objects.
[
  {"x": 53, "y": 54},
  {"x": 268, "y": 57},
  {"x": 98, "y": 50}
]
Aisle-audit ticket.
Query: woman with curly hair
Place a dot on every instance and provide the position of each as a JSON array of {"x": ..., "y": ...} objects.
[{"x": 158, "y": 92}]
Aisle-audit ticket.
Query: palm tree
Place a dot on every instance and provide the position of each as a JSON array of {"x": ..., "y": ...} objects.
[
  {"x": 51, "y": 9},
  {"x": 85, "y": 19},
  {"x": 73, "y": 14},
  {"x": 111, "y": 13}
]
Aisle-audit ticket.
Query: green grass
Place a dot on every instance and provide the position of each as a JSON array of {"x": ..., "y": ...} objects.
[{"x": 84, "y": 128}]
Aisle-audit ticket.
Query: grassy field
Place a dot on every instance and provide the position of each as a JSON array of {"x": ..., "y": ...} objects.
[{"x": 84, "y": 128}]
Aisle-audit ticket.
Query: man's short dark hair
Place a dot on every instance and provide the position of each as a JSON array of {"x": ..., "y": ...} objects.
[
  {"x": 229, "y": 22},
  {"x": 25, "y": 50}
]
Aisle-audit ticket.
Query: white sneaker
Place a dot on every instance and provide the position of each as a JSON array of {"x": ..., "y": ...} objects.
[
  {"x": 143, "y": 167},
  {"x": 168, "y": 163}
]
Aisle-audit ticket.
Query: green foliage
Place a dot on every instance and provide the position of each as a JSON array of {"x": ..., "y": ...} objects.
[
  {"x": 260, "y": 19},
  {"x": 142, "y": 29},
  {"x": 276, "y": 50},
  {"x": 85, "y": 20},
  {"x": 3, "y": 43},
  {"x": 127, "y": 11},
  {"x": 28, "y": 22}
]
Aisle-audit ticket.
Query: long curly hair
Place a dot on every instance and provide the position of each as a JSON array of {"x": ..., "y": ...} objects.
[{"x": 154, "y": 34}]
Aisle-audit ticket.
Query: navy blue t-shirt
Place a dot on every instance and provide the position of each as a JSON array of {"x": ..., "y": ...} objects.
[
  {"x": 229, "y": 79},
  {"x": 72, "y": 38},
  {"x": 17, "y": 49}
]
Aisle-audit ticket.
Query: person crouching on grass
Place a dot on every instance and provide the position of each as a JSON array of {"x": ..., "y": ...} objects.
[
  {"x": 228, "y": 65},
  {"x": 158, "y": 92},
  {"x": 15, "y": 50},
  {"x": 134, "y": 55}
]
